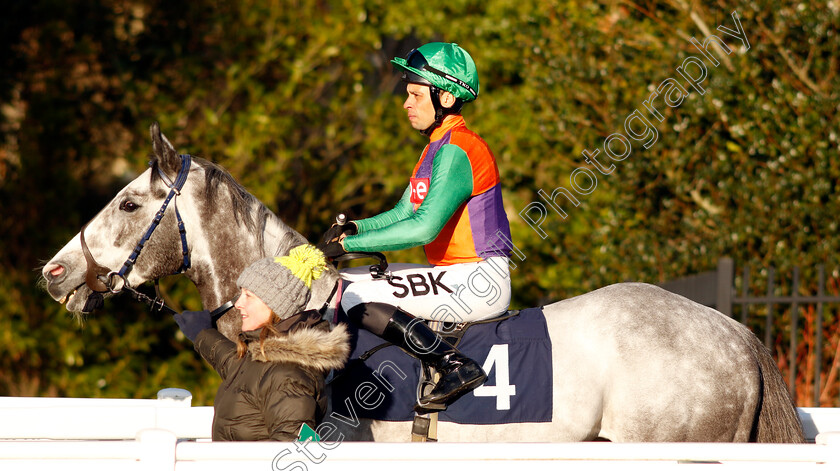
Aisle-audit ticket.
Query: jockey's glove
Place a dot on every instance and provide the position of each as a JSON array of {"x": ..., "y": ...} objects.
[
  {"x": 335, "y": 231},
  {"x": 193, "y": 322},
  {"x": 333, "y": 249}
]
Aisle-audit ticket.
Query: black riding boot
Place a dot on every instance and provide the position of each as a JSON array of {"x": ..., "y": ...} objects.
[{"x": 459, "y": 374}]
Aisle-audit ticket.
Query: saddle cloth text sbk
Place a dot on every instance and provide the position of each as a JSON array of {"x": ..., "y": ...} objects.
[{"x": 515, "y": 353}]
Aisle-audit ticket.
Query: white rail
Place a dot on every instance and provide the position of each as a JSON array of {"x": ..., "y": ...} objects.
[
  {"x": 159, "y": 434},
  {"x": 484, "y": 456},
  {"x": 159, "y": 450},
  {"x": 104, "y": 419},
  {"x": 819, "y": 419},
  {"x": 153, "y": 450}
]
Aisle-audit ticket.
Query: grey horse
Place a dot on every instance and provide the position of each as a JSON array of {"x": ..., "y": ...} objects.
[{"x": 631, "y": 362}]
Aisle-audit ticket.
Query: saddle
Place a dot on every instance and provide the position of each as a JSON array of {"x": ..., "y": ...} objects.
[{"x": 382, "y": 382}]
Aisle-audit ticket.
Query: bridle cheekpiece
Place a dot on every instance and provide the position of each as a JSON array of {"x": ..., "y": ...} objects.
[{"x": 100, "y": 280}]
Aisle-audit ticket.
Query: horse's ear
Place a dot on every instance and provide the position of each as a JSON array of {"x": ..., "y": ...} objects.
[{"x": 166, "y": 155}]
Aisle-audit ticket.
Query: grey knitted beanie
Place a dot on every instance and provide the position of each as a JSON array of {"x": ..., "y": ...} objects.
[{"x": 284, "y": 283}]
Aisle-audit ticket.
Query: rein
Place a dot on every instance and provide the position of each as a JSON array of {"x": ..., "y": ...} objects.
[{"x": 101, "y": 280}]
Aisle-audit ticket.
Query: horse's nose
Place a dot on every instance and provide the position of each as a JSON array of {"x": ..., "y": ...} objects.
[{"x": 53, "y": 271}]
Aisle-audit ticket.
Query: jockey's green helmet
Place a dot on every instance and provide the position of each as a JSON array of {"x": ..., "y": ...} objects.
[{"x": 446, "y": 66}]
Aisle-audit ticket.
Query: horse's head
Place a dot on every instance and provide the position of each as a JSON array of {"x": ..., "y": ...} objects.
[
  {"x": 225, "y": 229},
  {"x": 113, "y": 234}
]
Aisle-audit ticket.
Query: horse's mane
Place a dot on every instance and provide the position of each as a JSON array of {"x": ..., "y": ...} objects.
[{"x": 242, "y": 201}]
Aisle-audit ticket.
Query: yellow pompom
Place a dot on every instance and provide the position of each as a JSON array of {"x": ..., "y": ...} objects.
[{"x": 305, "y": 262}]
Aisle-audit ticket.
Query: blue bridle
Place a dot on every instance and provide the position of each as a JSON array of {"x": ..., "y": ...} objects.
[
  {"x": 100, "y": 280},
  {"x": 174, "y": 190}
]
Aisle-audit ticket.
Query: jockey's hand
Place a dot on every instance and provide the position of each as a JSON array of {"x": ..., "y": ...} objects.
[
  {"x": 335, "y": 231},
  {"x": 193, "y": 322},
  {"x": 334, "y": 248}
]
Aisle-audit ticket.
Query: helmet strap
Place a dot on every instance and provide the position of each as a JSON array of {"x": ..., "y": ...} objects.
[{"x": 440, "y": 112}]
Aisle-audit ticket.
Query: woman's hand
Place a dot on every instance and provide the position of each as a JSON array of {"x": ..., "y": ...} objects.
[{"x": 193, "y": 322}]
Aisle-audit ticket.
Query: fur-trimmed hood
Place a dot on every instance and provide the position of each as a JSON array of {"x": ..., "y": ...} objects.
[{"x": 316, "y": 347}]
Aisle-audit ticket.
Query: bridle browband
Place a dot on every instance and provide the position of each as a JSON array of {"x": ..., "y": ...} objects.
[{"x": 100, "y": 279}]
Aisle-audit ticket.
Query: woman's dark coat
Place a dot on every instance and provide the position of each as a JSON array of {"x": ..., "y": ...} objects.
[{"x": 269, "y": 394}]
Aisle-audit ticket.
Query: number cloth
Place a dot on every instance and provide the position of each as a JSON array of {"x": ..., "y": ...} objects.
[{"x": 515, "y": 353}]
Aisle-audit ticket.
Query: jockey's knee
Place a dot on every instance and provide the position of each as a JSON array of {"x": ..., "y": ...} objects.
[{"x": 373, "y": 317}]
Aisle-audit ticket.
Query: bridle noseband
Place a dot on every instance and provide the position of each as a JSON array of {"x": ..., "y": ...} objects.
[{"x": 100, "y": 279}]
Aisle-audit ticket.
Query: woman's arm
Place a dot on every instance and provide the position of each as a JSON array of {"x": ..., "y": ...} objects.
[{"x": 217, "y": 350}]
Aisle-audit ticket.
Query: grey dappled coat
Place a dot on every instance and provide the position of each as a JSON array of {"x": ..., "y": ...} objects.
[{"x": 269, "y": 396}]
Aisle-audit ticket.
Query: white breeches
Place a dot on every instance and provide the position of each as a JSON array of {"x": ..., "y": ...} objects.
[{"x": 462, "y": 292}]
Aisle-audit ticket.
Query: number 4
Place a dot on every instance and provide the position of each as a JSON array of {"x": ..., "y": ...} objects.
[{"x": 503, "y": 390}]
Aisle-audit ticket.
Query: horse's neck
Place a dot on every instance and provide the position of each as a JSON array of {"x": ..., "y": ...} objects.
[
  {"x": 230, "y": 247},
  {"x": 279, "y": 239}
]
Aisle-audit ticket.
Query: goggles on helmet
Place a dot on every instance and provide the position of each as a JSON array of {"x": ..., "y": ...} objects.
[{"x": 415, "y": 64}]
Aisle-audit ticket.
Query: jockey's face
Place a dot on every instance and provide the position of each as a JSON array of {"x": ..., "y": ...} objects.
[
  {"x": 418, "y": 105},
  {"x": 253, "y": 310}
]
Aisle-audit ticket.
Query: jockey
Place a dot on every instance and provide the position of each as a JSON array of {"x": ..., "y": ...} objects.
[{"x": 453, "y": 207}]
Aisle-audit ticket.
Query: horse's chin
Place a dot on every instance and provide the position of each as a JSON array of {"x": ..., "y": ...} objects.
[{"x": 77, "y": 299}]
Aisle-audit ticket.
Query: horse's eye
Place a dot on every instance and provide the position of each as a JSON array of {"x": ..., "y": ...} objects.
[{"x": 129, "y": 206}]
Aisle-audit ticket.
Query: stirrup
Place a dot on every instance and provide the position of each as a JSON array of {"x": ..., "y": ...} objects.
[
  {"x": 424, "y": 387},
  {"x": 429, "y": 407},
  {"x": 466, "y": 382}
]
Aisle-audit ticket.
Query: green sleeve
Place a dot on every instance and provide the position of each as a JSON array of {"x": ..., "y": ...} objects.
[
  {"x": 450, "y": 186},
  {"x": 399, "y": 212}
]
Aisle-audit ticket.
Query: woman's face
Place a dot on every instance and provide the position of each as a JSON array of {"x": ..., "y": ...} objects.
[{"x": 253, "y": 310}]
